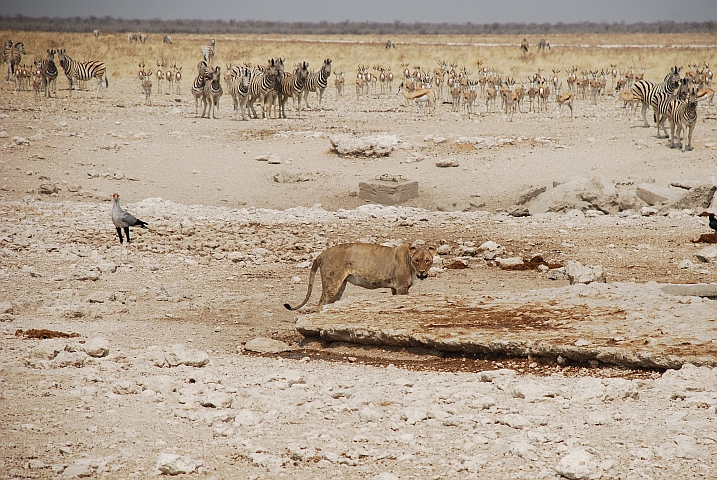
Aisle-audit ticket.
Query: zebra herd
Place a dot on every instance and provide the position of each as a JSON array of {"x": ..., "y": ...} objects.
[
  {"x": 44, "y": 72},
  {"x": 269, "y": 84},
  {"x": 674, "y": 100}
]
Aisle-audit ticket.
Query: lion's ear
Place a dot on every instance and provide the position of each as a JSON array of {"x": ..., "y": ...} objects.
[
  {"x": 412, "y": 249},
  {"x": 432, "y": 250}
]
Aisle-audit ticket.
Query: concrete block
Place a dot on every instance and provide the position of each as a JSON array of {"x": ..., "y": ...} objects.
[{"x": 388, "y": 190}]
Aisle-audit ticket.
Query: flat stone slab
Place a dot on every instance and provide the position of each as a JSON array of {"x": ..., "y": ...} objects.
[
  {"x": 627, "y": 324},
  {"x": 707, "y": 290}
]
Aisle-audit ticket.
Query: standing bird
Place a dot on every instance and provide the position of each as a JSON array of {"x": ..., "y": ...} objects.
[{"x": 124, "y": 220}]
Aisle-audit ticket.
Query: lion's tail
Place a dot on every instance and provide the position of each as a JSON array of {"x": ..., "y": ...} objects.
[{"x": 314, "y": 266}]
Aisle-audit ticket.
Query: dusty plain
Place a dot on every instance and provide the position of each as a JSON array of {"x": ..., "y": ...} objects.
[{"x": 228, "y": 245}]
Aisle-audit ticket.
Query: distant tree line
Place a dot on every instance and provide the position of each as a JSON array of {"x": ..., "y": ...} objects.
[{"x": 111, "y": 24}]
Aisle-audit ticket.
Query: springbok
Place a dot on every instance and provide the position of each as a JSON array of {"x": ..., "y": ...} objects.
[
  {"x": 564, "y": 99},
  {"x": 160, "y": 77},
  {"x": 420, "y": 96},
  {"x": 147, "y": 87}
]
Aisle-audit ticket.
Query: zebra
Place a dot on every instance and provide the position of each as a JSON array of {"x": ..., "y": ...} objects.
[
  {"x": 213, "y": 92},
  {"x": 12, "y": 55},
  {"x": 96, "y": 32},
  {"x": 208, "y": 51},
  {"x": 292, "y": 85},
  {"x": 317, "y": 82},
  {"x": 167, "y": 39},
  {"x": 390, "y": 45},
  {"x": 643, "y": 91},
  {"x": 264, "y": 84},
  {"x": 238, "y": 88},
  {"x": 83, "y": 71},
  {"x": 682, "y": 115},
  {"x": 661, "y": 102},
  {"x": 48, "y": 72},
  {"x": 203, "y": 73}
]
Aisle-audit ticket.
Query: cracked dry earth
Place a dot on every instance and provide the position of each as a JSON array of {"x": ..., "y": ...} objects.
[{"x": 157, "y": 368}]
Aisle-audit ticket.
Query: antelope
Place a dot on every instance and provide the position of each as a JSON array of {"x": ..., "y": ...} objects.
[
  {"x": 406, "y": 71},
  {"x": 509, "y": 98},
  {"x": 705, "y": 93},
  {"x": 628, "y": 100},
  {"x": 382, "y": 78},
  {"x": 177, "y": 76},
  {"x": 491, "y": 93},
  {"x": 613, "y": 73},
  {"x": 339, "y": 83},
  {"x": 37, "y": 83},
  {"x": 541, "y": 94},
  {"x": 469, "y": 98},
  {"x": 621, "y": 82},
  {"x": 389, "y": 79},
  {"x": 564, "y": 99},
  {"x": 524, "y": 46},
  {"x": 555, "y": 77},
  {"x": 361, "y": 86},
  {"x": 708, "y": 74},
  {"x": 160, "y": 77},
  {"x": 641, "y": 75},
  {"x": 147, "y": 87},
  {"x": 140, "y": 76},
  {"x": 169, "y": 77},
  {"x": 420, "y": 96},
  {"x": 456, "y": 97},
  {"x": 519, "y": 95},
  {"x": 630, "y": 77},
  {"x": 572, "y": 78},
  {"x": 532, "y": 93}
]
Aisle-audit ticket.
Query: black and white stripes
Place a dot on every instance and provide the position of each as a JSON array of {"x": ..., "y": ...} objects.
[
  {"x": 82, "y": 71},
  {"x": 48, "y": 72},
  {"x": 682, "y": 115},
  {"x": 12, "y": 55},
  {"x": 265, "y": 84},
  {"x": 208, "y": 51},
  {"x": 317, "y": 82},
  {"x": 644, "y": 91},
  {"x": 292, "y": 86}
]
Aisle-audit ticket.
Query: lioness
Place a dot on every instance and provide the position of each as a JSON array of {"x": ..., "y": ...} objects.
[{"x": 369, "y": 266}]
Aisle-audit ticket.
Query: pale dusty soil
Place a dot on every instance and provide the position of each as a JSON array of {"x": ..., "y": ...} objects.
[{"x": 180, "y": 287}]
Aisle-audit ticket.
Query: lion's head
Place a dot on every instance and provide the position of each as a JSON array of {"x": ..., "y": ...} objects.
[{"x": 422, "y": 260}]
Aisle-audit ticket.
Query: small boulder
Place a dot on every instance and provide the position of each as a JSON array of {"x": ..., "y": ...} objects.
[
  {"x": 579, "y": 273},
  {"x": 171, "y": 464},
  {"x": 577, "y": 465},
  {"x": 707, "y": 254},
  {"x": 97, "y": 347}
]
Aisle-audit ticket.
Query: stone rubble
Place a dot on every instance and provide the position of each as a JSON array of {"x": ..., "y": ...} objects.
[{"x": 381, "y": 422}]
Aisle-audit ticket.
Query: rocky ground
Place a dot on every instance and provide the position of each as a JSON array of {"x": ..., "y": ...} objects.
[{"x": 159, "y": 366}]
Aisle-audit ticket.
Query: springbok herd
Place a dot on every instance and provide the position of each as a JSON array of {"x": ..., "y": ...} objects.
[{"x": 673, "y": 101}]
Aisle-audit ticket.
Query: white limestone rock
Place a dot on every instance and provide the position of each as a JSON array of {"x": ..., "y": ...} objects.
[
  {"x": 172, "y": 464},
  {"x": 577, "y": 465},
  {"x": 579, "y": 273}
]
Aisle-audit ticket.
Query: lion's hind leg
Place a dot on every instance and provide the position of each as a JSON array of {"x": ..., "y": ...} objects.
[{"x": 332, "y": 287}]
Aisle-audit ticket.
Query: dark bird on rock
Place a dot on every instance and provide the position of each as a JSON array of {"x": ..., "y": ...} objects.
[
  {"x": 713, "y": 222},
  {"x": 123, "y": 220}
]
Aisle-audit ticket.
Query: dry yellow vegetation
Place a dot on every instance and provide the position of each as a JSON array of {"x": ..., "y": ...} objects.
[{"x": 656, "y": 53}]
